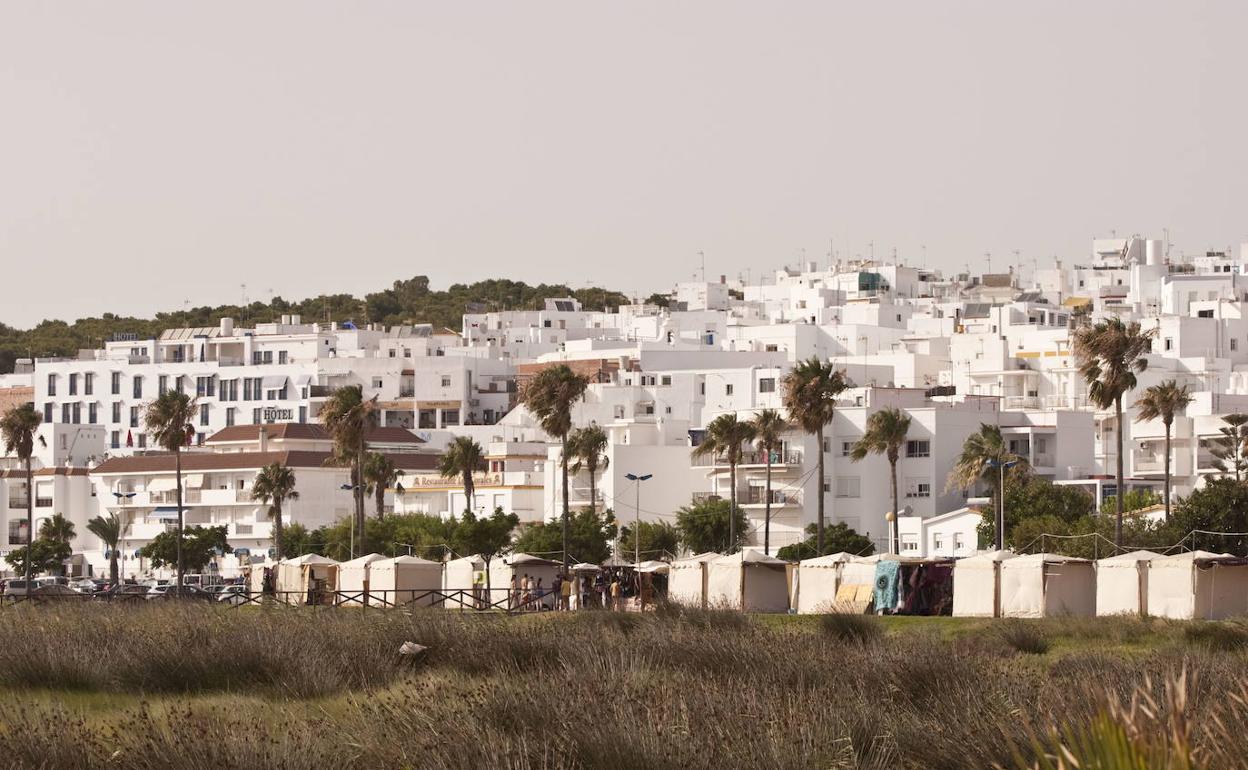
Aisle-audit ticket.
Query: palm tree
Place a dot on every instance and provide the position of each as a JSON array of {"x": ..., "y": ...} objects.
[
  {"x": 769, "y": 428},
  {"x": 984, "y": 457},
  {"x": 108, "y": 530},
  {"x": 1110, "y": 354},
  {"x": 810, "y": 392},
  {"x": 550, "y": 396},
  {"x": 349, "y": 418},
  {"x": 274, "y": 485},
  {"x": 18, "y": 427},
  {"x": 885, "y": 435},
  {"x": 589, "y": 448},
  {"x": 379, "y": 475},
  {"x": 462, "y": 458},
  {"x": 724, "y": 437},
  {"x": 1163, "y": 402},
  {"x": 58, "y": 529},
  {"x": 169, "y": 419}
]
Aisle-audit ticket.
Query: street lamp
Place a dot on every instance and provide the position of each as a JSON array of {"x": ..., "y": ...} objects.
[
  {"x": 1000, "y": 465},
  {"x": 637, "y": 513},
  {"x": 122, "y": 497}
]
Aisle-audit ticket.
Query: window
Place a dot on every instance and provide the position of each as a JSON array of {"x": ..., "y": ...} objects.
[
  {"x": 203, "y": 415},
  {"x": 162, "y": 384},
  {"x": 619, "y": 411},
  {"x": 767, "y": 385},
  {"x": 702, "y": 388},
  {"x": 957, "y": 541},
  {"x": 88, "y": 384},
  {"x": 378, "y": 383},
  {"x": 1199, "y": 314},
  {"x": 450, "y": 417},
  {"x": 446, "y": 381},
  {"x": 65, "y": 412},
  {"x": 255, "y": 416},
  {"x": 115, "y": 383},
  {"x": 847, "y": 448},
  {"x": 229, "y": 416},
  {"x": 51, "y": 384},
  {"x": 92, "y": 413},
  {"x": 199, "y": 438},
  {"x": 18, "y": 534},
  {"x": 1234, "y": 344},
  {"x": 918, "y": 488},
  {"x": 282, "y": 357},
  {"x": 205, "y": 386},
  {"x": 115, "y": 439},
  {"x": 76, "y": 413},
  {"x": 134, "y": 417},
  {"x": 909, "y": 543},
  {"x": 728, "y": 389},
  {"x": 938, "y": 543},
  {"x": 137, "y": 388},
  {"x": 73, "y": 384},
  {"x": 303, "y": 414},
  {"x": 229, "y": 390},
  {"x": 116, "y": 412},
  {"x": 142, "y": 441},
  {"x": 848, "y": 486},
  {"x": 919, "y": 448},
  {"x": 667, "y": 379},
  {"x": 1168, "y": 343},
  {"x": 47, "y": 411}
]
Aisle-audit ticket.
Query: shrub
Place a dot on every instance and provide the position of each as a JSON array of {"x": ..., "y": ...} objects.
[
  {"x": 1024, "y": 637},
  {"x": 851, "y": 628}
]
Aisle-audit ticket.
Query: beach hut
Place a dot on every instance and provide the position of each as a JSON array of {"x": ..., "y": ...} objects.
[
  {"x": 1198, "y": 584},
  {"x": 977, "y": 585},
  {"x": 353, "y": 578},
  {"x": 458, "y": 587},
  {"x": 1122, "y": 583},
  {"x": 518, "y": 565},
  {"x": 1042, "y": 585},
  {"x": 404, "y": 581},
  {"x": 307, "y": 579},
  {"x": 817, "y": 582},
  {"x": 686, "y": 580},
  {"x": 748, "y": 581}
]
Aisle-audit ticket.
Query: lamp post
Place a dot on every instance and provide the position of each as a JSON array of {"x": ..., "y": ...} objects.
[
  {"x": 122, "y": 497},
  {"x": 1000, "y": 465},
  {"x": 637, "y": 513}
]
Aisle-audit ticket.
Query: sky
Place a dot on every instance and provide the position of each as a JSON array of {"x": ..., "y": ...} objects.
[{"x": 158, "y": 153}]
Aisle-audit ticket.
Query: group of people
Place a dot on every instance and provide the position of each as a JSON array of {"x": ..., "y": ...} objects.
[{"x": 607, "y": 589}]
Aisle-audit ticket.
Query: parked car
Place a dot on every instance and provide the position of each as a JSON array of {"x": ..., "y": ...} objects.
[
  {"x": 15, "y": 587},
  {"x": 86, "y": 586},
  {"x": 233, "y": 595},
  {"x": 55, "y": 591},
  {"x": 166, "y": 591},
  {"x": 125, "y": 591}
]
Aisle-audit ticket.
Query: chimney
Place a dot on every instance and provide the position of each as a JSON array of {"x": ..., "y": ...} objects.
[{"x": 227, "y": 327}]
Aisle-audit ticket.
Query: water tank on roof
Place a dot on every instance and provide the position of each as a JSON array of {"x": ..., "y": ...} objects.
[{"x": 1154, "y": 252}]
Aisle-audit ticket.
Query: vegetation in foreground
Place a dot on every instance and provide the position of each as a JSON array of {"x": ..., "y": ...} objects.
[{"x": 172, "y": 686}]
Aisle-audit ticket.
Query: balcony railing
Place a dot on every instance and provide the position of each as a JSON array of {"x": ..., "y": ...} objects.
[
  {"x": 43, "y": 502},
  {"x": 19, "y": 502},
  {"x": 705, "y": 497},
  {"x": 752, "y": 458},
  {"x": 758, "y": 496}
]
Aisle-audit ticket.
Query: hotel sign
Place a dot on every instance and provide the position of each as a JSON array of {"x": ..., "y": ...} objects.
[
  {"x": 278, "y": 414},
  {"x": 434, "y": 480}
]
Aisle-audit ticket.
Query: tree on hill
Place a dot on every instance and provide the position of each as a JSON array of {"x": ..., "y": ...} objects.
[{"x": 836, "y": 538}]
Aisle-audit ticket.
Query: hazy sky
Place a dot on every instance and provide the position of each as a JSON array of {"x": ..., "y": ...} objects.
[{"x": 157, "y": 152}]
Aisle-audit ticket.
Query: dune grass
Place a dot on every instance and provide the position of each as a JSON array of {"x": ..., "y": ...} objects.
[{"x": 169, "y": 686}]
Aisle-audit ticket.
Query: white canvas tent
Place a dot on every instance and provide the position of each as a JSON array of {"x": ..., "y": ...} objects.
[
  {"x": 255, "y": 578},
  {"x": 1122, "y": 583},
  {"x": 653, "y": 566},
  {"x": 686, "y": 583},
  {"x": 817, "y": 582},
  {"x": 296, "y": 578},
  {"x": 353, "y": 577},
  {"x": 977, "y": 585},
  {"x": 519, "y": 565},
  {"x": 1042, "y": 585},
  {"x": 748, "y": 581},
  {"x": 404, "y": 581},
  {"x": 1199, "y": 584},
  {"x": 457, "y": 576}
]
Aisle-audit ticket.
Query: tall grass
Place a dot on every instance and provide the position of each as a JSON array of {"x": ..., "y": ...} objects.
[{"x": 682, "y": 689}]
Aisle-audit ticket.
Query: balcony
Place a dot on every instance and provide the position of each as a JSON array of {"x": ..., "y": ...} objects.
[
  {"x": 19, "y": 502},
  {"x": 43, "y": 502},
  {"x": 407, "y": 392},
  {"x": 758, "y": 496},
  {"x": 699, "y": 498},
  {"x": 759, "y": 459}
]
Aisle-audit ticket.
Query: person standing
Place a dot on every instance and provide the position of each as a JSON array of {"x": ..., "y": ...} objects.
[{"x": 615, "y": 594}]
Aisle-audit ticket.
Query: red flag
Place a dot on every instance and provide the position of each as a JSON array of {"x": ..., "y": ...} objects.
[{"x": 129, "y": 438}]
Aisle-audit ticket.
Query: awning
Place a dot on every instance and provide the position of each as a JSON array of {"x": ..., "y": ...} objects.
[
  {"x": 304, "y": 379},
  {"x": 274, "y": 382},
  {"x": 193, "y": 480},
  {"x": 162, "y": 484},
  {"x": 166, "y": 513},
  {"x": 1076, "y": 301}
]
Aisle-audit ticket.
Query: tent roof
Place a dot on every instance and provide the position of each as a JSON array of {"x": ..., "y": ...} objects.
[
  {"x": 1191, "y": 556},
  {"x": 1129, "y": 558},
  {"x": 988, "y": 556},
  {"x": 617, "y": 561},
  {"x": 1044, "y": 558},
  {"x": 526, "y": 558},
  {"x": 653, "y": 566},
  {"x": 310, "y": 558},
  {"x": 475, "y": 560},
  {"x": 585, "y": 567},
  {"x": 360, "y": 561},
  {"x": 701, "y": 558},
  {"x": 829, "y": 560},
  {"x": 749, "y": 557},
  {"x": 405, "y": 560}
]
